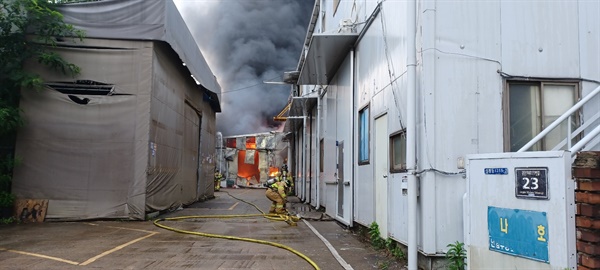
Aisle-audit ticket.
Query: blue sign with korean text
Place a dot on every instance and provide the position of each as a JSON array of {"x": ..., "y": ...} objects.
[
  {"x": 517, "y": 232},
  {"x": 495, "y": 170}
]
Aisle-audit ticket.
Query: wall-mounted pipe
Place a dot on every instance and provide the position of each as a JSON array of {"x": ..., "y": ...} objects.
[
  {"x": 304, "y": 146},
  {"x": 354, "y": 137},
  {"x": 411, "y": 133},
  {"x": 220, "y": 158},
  {"x": 318, "y": 154}
]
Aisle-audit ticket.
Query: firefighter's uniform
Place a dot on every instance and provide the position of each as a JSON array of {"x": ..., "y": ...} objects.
[
  {"x": 218, "y": 179},
  {"x": 276, "y": 192},
  {"x": 287, "y": 178}
]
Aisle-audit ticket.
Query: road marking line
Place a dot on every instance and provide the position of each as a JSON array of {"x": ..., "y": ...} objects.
[
  {"x": 122, "y": 228},
  {"x": 131, "y": 229},
  {"x": 334, "y": 252},
  {"x": 93, "y": 259},
  {"x": 40, "y": 256},
  {"x": 233, "y": 206}
]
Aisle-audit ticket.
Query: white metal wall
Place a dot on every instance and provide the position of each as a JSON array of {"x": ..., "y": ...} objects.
[
  {"x": 299, "y": 173},
  {"x": 589, "y": 33},
  {"x": 344, "y": 126},
  {"x": 312, "y": 152},
  {"x": 461, "y": 47},
  {"x": 460, "y": 68},
  {"x": 381, "y": 82},
  {"x": 329, "y": 176}
]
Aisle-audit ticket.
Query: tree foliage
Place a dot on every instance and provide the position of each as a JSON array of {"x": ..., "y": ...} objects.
[{"x": 29, "y": 29}]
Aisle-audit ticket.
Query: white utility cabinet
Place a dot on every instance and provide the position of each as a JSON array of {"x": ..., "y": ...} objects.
[{"x": 519, "y": 211}]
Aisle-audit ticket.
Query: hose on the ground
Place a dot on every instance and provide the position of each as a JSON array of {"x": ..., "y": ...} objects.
[{"x": 277, "y": 217}]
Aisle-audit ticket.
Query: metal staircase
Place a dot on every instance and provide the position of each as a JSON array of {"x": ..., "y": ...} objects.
[{"x": 577, "y": 140}]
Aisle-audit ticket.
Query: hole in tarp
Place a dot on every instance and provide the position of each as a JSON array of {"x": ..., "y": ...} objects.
[
  {"x": 83, "y": 87},
  {"x": 78, "y": 100}
]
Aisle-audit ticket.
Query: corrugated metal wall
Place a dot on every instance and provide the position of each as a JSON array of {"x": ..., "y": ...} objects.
[{"x": 461, "y": 46}]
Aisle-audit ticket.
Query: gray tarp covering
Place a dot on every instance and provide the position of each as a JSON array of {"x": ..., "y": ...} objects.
[
  {"x": 149, "y": 145},
  {"x": 142, "y": 20},
  {"x": 89, "y": 160}
]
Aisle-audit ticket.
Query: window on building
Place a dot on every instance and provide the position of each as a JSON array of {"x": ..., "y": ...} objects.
[
  {"x": 532, "y": 106},
  {"x": 363, "y": 136},
  {"x": 398, "y": 152},
  {"x": 321, "y": 155}
]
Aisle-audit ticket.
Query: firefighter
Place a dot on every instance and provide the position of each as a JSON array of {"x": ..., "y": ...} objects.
[
  {"x": 287, "y": 178},
  {"x": 218, "y": 179},
  {"x": 276, "y": 192}
]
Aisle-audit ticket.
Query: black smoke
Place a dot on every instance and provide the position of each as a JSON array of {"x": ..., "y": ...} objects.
[{"x": 247, "y": 42}]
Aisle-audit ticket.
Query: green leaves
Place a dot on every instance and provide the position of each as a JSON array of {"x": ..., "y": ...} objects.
[
  {"x": 375, "y": 237},
  {"x": 456, "y": 256},
  {"x": 7, "y": 199},
  {"x": 10, "y": 119},
  {"x": 394, "y": 249},
  {"x": 54, "y": 61},
  {"x": 391, "y": 247},
  {"x": 29, "y": 29}
]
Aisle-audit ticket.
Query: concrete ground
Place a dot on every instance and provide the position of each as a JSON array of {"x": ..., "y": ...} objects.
[{"x": 142, "y": 245}]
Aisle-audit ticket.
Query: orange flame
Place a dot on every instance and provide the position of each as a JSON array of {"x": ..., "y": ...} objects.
[{"x": 273, "y": 171}]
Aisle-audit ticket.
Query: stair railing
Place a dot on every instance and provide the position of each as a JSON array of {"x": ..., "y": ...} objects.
[{"x": 570, "y": 134}]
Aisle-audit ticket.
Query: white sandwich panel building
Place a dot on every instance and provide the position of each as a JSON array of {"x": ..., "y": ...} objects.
[{"x": 488, "y": 77}]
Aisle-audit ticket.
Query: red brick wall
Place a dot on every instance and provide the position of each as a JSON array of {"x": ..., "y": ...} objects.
[{"x": 586, "y": 171}]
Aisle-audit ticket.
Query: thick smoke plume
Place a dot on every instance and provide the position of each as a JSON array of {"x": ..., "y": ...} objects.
[{"x": 247, "y": 42}]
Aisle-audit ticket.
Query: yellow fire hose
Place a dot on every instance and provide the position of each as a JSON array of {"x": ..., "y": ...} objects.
[{"x": 278, "y": 217}]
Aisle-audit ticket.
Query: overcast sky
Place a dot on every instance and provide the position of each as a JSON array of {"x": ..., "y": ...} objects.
[{"x": 245, "y": 43}]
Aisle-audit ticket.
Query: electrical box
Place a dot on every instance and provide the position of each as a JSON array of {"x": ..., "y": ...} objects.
[
  {"x": 404, "y": 185},
  {"x": 519, "y": 211}
]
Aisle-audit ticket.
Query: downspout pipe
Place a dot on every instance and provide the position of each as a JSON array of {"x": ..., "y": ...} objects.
[
  {"x": 354, "y": 135},
  {"x": 304, "y": 146},
  {"x": 290, "y": 156},
  {"x": 411, "y": 133},
  {"x": 318, "y": 154},
  {"x": 220, "y": 151}
]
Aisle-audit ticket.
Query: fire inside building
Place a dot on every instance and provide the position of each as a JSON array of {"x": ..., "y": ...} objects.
[{"x": 250, "y": 160}]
